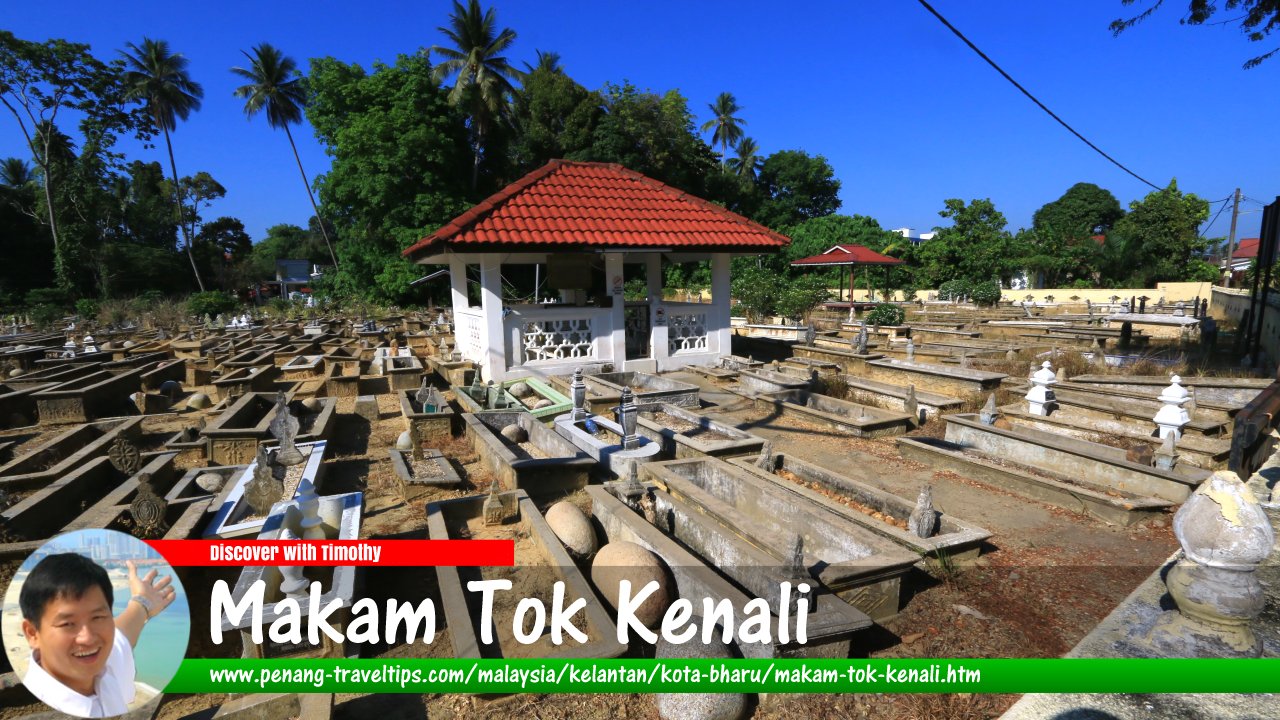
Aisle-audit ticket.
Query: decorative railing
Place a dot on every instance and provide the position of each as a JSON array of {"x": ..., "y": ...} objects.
[
  {"x": 563, "y": 338},
  {"x": 686, "y": 330}
]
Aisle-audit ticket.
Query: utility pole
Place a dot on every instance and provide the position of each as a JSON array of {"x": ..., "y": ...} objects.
[{"x": 1231, "y": 240}]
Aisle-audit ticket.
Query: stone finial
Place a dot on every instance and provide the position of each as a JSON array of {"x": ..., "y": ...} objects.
[
  {"x": 989, "y": 413},
  {"x": 628, "y": 414},
  {"x": 424, "y": 398},
  {"x": 1172, "y": 416},
  {"x": 911, "y": 350},
  {"x": 1167, "y": 456},
  {"x": 632, "y": 489},
  {"x": 911, "y": 406},
  {"x": 1225, "y": 536},
  {"x": 90, "y": 345},
  {"x": 284, "y": 428},
  {"x": 578, "y": 391},
  {"x": 1040, "y": 398},
  {"x": 861, "y": 347},
  {"x": 764, "y": 460},
  {"x": 1191, "y": 403},
  {"x": 923, "y": 521},
  {"x": 810, "y": 335},
  {"x": 263, "y": 490}
]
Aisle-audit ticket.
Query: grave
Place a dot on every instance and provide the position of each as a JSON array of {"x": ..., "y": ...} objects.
[
  {"x": 1225, "y": 392},
  {"x": 91, "y": 397},
  {"x": 342, "y": 378},
  {"x": 245, "y": 380},
  {"x": 303, "y": 367},
  {"x": 685, "y": 434},
  {"x": 427, "y": 409},
  {"x": 607, "y": 443},
  {"x": 427, "y": 468},
  {"x": 860, "y": 503},
  {"x": 845, "y": 358},
  {"x": 234, "y": 435},
  {"x": 848, "y": 417},
  {"x": 604, "y": 389},
  {"x": 716, "y": 508},
  {"x": 334, "y": 517},
  {"x": 17, "y": 406},
  {"x": 753, "y": 573},
  {"x": 541, "y": 561},
  {"x": 889, "y": 396},
  {"x": 233, "y": 514},
  {"x": 756, "y": 382},
  {"x": 929, "y": 377},
  {"x": 61, "y": 454},
  {"x": 543, "y": 463}
]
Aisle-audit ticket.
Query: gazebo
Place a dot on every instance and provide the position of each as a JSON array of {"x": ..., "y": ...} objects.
[
  {"x": 581, "y": 225},
  {"x": 849, "y": 256}
]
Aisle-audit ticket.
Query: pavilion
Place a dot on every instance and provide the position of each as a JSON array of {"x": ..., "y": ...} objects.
[
  {"x": 847, "y": 256},
  {"x": 585, "y": 228}
]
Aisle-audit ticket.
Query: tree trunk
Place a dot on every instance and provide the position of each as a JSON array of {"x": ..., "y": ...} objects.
[
  {"x": 177, "y": 204},
  {"x": 312, "y": 196}
]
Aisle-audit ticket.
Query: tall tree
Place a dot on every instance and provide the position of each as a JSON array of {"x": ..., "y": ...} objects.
[
  {"x": 975, "y": 247},
  {"x": 483, "y": 85},
  {"x": 15, "y": 172},
  {"x": 726, "y": 126},
  {"x": 746, "y": 161},
  {"x": 1061, "y": 243},
  {"x": 797, "y": 186},
  {"x": 554, "y": 117},
  {"x": 158, "y": 77},
  {"x": 275, "y": 86},
  {"x": 1163, "y": 230}
]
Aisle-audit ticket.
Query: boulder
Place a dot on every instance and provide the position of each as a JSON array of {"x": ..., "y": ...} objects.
[
  {"x": 199, "y": 401},
  {"x": 702, "y": 706},
  {"x": 515, "y": 433},
  {"x": 520, "y": 390},
  {"x": 404, "y": 443},
  {"x": 543, "y": 403},
  {"x": 171, "y": 388},
  {"x": 127, "y": 344},
  {"x": 210, "y": 482},
  {"x": 623, "y": 560},
  {"x": 573, "y": 528}
]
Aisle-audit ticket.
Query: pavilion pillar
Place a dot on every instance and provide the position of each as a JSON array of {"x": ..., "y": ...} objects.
[
  {"x": 657, "y": 332},
  {"x": 458, "y": 283},
  {"x": 722, "y": 343},
  {"x": 491, "y": 334},
  {"x": 616, "y": 340}
]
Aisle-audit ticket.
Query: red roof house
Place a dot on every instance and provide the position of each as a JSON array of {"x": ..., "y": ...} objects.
[{"x": 581, "y": 223}]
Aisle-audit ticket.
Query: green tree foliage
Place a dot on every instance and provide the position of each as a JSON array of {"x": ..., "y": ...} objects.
[
  {"x": 796, "y": 187},
  {"x": 756, "y": 291},
  {"x": 725, "y": 124},
  {"x": 483, "y": 76},
  {"x": 1256, "y": 18},
  {"x": 885, "y": 314},
  {"x": 1161, "y": 236},
  {"x": 275, "y": 87},
  {"x": 1060, "y": 245},
  {"x": 975, "y": 247},
  {"x": 24, "y": 244},
  {"x": 222, "y": 246},
  {"x": 746, "y": 161},
  {"x": 554, "y": 117},
  {"x": 211, "y": 303},
  {"x": 397, "y": 146},
  {"x": 158, "y": 77},
  {"x": 800, "y": 296}
]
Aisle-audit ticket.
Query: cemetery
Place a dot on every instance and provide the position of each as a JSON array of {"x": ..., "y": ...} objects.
[{"x": 994, "y": 479}]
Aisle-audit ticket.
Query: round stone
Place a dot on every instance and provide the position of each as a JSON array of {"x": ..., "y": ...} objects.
[
  {"x": 623, "y": 560},
  {"x": 520, "y": 390},
  {"x": 404, "y": 443},
  {"x": 543, "y": 403},
  {"x": 210, "y": 482},
  {"x": 515, "y": 433},
  {"x": 128, "y": 344},
  {"x": 703, "y": 706},
  {"x": 15, "y": 372},
  {"x": 312, "y": 405},
  {"x": 198, "y": 401},
  {"x": 573, "y": 527},
  {"x": 171, "y": 387},
  {"x": 107, "y": 346}
]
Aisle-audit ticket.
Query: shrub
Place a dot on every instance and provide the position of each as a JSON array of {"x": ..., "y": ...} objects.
[
  {"x": 756, "y": 291},
  {"x": 1081, "y": 284},
  {"x": 213, "y": 302},
  {"x": 54, "y": 297},
  {"x": 954, "y": 290},
  {"x": 909, "y": 292},
  {"x": 985, "y": 293},
  {"x": 87, "y": 309},
  {"x": 885, "y": 314},
  {"x": 800, "y": 296}
]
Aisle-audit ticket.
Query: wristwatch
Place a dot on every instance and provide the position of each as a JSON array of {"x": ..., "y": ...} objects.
[{"x": 147, "y": 605}]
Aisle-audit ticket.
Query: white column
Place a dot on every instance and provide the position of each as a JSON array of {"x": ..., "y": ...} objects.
[
  {"x": 614, "y": 342},
  {"x": 722, "y": 342},
  {"x": 495, "y": 356},
  {"x": 457, "y": 284},
  {"x": 657, "y": 333}
]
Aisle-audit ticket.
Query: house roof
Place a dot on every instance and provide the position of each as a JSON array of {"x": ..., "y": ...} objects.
[
  {"x": 1247, "y": 249},
  {"x": 848, "y": 255},
  {"x": 570, "y": 205}
]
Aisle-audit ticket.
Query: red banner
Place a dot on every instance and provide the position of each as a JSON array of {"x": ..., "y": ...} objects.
[{"x": 421, "y": 553}]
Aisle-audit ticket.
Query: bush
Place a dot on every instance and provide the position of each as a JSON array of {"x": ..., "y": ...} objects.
[
  {"x": 756, "y": 290},
  {"x": 954, "y": 290},
  {"x": 87, "y": 309},
  {"x": 909, "y": 292},
  {"x": 1081, "y": 284},
  {"x": 985, "y": 293},
  {"x": 213, "y": 302},
  {"x": 800, "y": 296},
  {"x": 54, "y": 297},
  {"x": 885, "y": 314}
]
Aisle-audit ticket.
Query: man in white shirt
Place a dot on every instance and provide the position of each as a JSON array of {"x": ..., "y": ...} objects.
[{"x": 82, "y": 657}]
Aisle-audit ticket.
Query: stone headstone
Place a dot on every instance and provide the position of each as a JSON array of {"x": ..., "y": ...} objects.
[
  {"x": 861, "y": 347},
  {"x": 263, "y": 490},
  {"x": 211, "y": 482},
  {"x": 493, "y": 510},
  {"x": 911, "y": 350},
  {"x": 514, "y": 433},
  {"x": 765, "y": 460},
  {"x": 424, "y": 397},
  {"x": 1172, "y": 416},
  {"x": 1040, "y": 398},
  {"x": 923, "y": 521},
  {"x": 284, "y": 427},
  {"x": 198, "y": 401},
  {"x": 988, "y": 414},
  {"x": 1167, "y": 456},
  {"x": 148, "y": 510},
  {"x": 573, "y": 528},
  {"x": 404, "y": 442},
  {"x": 520, "y": 390},
  {"x": 124, "y": 455},
  {"x": 367, "y": 407},
  {"x": 911, "y": 405}
]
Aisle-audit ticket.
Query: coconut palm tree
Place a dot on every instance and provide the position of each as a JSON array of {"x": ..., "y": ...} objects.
[
  {"x": 15, "y": 172},
  {"x": 748, "y": 159},
  {"x": 158, "y": 77},
  {"x": 547, "y": 60},
  {"x": 275, "y": 86},
  {"x": 483, "y": 85},
  {"x": 727, "y": 127}
]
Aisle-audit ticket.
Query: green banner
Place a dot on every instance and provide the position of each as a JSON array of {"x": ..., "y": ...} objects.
[{"x": 965, "y": 675}]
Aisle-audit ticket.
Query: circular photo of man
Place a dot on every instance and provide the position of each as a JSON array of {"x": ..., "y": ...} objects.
[{"x": 95, "y": 623}]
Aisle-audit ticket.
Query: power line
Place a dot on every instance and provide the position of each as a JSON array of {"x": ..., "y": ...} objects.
[
  {"x": 1033, "y": 98},
  {"x": 1215, "y": 217}
]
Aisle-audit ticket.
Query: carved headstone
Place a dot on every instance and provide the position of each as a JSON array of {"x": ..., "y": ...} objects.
[
  {"x": 923, "y": 521},
  {"x": 764, "y": 460},
  {"x": 628, "y": 416},
  {"x": 810, "y": 335},
  {"x": 124, "y": 455},
  {"x": 861, "y": 346},
  {"x": 797, "y": 573},
  {"x": 911, "y": 350},
  {"x": 911, "y": 405},
  {"x": 425, "y": 398},
  {"x": 988, "y": 414},
  {"x": 492, "y": 509},
  {"x": 415, "y": 440},
  {"x": 148, "y": 510},
  {"x": 632, "y": 490},
  {"x": 578, "y": 389},
  {"x": 263, "y": 490},
  {"x": 284, "y": 427}
]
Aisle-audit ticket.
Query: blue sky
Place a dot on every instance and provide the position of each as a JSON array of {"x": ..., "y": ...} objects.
[{"x": 906, "y": 114}]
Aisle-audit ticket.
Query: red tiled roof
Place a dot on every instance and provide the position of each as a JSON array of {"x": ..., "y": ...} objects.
[
  {"x": 568, "y": 205},
  {"x": 1247, "y": 249},
  {"x": 849, "y": 255}
]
